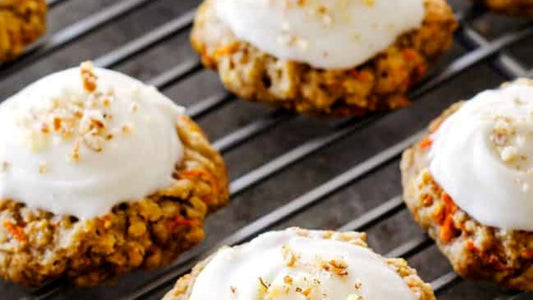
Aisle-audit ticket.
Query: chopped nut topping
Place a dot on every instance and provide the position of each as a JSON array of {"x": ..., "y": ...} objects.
[
  {"x": 126, "y": 128},
  {"x": 84, "y": 118},
  {"x": 305, "y": 292},
  {"x": 43, "y": 168},
  {"x": 89, "y": 78},
  {"x": 289, "y": 256},
  {"x": 75, "y": 153},
  {"x": 134, "y": 107},
  {"x": 5, "y": 166},
  {"x": 336, "y": 267}
]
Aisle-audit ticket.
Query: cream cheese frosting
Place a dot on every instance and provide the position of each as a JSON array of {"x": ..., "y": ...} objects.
[
  {"x": 335, "y": 34},
  {"x": 80, "y": 141},
  {"x": 297, "y": 264},
  {"x": 482, "y": 156}
]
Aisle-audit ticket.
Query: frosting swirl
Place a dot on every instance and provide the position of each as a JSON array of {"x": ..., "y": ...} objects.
[
  {"x": 299, "y": 264},
  {"x": 482, "y": 156},
  {"x": 337, "y": 34},
  {"x": 80, "y": 141}
]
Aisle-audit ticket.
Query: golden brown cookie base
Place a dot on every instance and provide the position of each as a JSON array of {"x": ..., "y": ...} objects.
[
  {"x": 475, "y": 251},
  {"x": 36, "y": 246},
  {"x": 379, "y": 84},
  {"x": 183, "y": 287},
  {"x": 21, "y": 23},
  {"x": 521, "y": 8}
]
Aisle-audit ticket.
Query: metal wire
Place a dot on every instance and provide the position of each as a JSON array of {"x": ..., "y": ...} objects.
[
  {"x": 148, "y": 40},
  {"x": 53, "y": 3},
  {"x": 70, "y": 34},
  {"x": 481, "y": 50}
]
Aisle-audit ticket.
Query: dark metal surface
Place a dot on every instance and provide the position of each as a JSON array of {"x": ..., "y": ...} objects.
[{"x": 286, "y": 170}]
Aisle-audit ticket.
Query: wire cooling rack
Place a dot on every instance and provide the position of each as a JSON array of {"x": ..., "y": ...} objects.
[{"x": 287, "y": 170}]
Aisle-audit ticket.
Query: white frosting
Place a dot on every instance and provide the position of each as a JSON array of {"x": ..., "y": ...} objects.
[
  {"x": 123, "y": 144},
  {"x": 482, "y": 156},
  {"x": 285, "y": 265},
  {"x": 335, "y": 34}
]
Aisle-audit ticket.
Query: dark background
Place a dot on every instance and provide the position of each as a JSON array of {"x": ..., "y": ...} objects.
[{"x": 332, "y": 212}]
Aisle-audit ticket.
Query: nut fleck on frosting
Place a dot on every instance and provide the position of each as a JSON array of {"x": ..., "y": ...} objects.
[
  {"x": 80, "y": 141},
  {"x": 300, "y": 264}
]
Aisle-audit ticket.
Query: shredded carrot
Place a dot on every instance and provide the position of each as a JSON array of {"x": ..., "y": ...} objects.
[
  {"x": 204, "y": 175},
  {"x": 105, "y": 222},
  {"x": 448, "y": 202},
  {"x": 406, "y": 83},
  {"x": 527, "y": 253},
  {"x": 16, "y": 231},
  {"x": 207, "y": 60},
  {"x": 448, "y": 229},
  {"x": 491, "y": 259},
  {"x": 363, "y": 76},
  {"x": 427, "y": 200},
  {"x": 470, "y": 246},
  {"x": 425, "y": 143},
  {"x": 421, "y": 70},
  {"x": 180, "y": 221},
  {"x": 410, "y": 54}
]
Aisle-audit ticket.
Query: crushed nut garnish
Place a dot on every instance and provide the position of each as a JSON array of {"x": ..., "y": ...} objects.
[
  {"x": 4, "y": 166},
  {"x": 89, "y": 78},
  {"x": 43, "y": 168},
  {"x": 126, "y": 128},
  {"x": 336, "y": 267},
  {"x": 288, "y": 279},
  {"x": 289, "y": 256},
  {"x": 83, "y": 118},
  {"x": 134, "y": 107},
  {"x": 75, "y": 153}
]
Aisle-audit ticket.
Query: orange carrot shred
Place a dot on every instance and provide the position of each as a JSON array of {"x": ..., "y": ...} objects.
[
  {"x": 448, "y": 229},
  {"x": 491, "y": 259},
  {"x": 470, "y": 245},
  {"x": 180, "y": 221},
  {"x": 16, "y": 231},
  {"x": 527, "y": 253},
  {"x": 425, "y": 143},
  {"x": 202, "y": 174},
  {"x": 410, "y": 54},
  {"x": 421, "y": 70}
]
